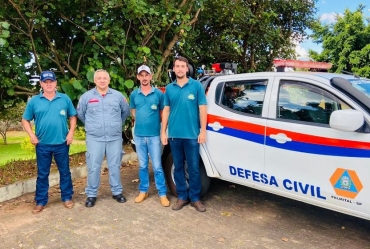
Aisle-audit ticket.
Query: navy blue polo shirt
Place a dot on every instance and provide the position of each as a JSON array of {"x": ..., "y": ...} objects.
[
  {"x": 147, "y": 112},
  {"x": 184, "y": 102}
]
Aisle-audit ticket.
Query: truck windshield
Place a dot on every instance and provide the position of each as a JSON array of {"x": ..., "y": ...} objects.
[{"x": 362, "y": 84}]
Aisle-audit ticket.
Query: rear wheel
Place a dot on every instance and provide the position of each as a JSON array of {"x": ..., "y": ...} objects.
[{"x": 169, "y": 170}]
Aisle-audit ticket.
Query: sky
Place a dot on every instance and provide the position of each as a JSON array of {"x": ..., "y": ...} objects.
[{"x": 327, "y": 10}]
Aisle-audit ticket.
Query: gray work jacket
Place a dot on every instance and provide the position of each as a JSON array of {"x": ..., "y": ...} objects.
[{"x": 103, "y": 116}]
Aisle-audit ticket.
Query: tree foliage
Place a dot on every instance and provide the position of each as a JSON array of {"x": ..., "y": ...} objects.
[
  {"x": 76, "y": 37},
  {"x": 250, "y": 33},
  {"x": 12, "y": 60},
  {"x": 345, "y": 43}
]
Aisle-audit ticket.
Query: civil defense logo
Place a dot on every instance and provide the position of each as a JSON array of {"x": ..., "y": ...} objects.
[
  {"x": 154, "y": 107},
  {"x": 346, "y": 183},
  {"x": 191, "y": 96},
  {"x": 62, "y": 112}
]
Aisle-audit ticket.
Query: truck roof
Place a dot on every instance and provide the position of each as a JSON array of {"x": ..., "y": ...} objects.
[{"x": 319, "y": 74}]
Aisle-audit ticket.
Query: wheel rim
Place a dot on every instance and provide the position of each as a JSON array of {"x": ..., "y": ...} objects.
[{"x": 186, "y": 174}]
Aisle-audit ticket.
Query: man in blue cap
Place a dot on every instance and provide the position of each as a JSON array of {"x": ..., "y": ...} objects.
[{"x": 51, "y": 111}]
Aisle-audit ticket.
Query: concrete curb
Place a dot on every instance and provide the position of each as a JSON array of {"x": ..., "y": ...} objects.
[{"x": 17, "y": 189}]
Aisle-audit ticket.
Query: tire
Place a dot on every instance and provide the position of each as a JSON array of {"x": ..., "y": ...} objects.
[
  {"x": 133, "y": 146},
  {"x": 169, "y": 169}
]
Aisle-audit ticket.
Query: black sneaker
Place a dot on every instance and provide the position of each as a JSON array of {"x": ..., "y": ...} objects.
[
  {"x": 119, "y": 198},
  {"x": 90, "y": 202}
]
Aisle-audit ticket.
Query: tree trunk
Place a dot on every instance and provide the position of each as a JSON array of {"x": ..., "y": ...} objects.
[{"x": 3, "y": 134}]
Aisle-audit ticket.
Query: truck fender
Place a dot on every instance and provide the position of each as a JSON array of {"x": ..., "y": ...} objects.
[{"x": 207, "y": 161}]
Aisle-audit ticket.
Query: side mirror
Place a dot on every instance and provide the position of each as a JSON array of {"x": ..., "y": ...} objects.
[{"x": 346, "y": 120}]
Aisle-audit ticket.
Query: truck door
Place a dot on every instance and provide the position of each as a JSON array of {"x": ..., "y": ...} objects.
[
  {"x": 236, "y": 128},
  {"x": 310, "y": 161}
]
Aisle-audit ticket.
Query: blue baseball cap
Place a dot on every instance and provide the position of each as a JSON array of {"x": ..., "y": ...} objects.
[{"x": 47, "y": 75}]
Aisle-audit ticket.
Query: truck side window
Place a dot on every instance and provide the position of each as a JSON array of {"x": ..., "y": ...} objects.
[
  {"x": 304, "y": 102},
  {"x": 245, "y": 97}
]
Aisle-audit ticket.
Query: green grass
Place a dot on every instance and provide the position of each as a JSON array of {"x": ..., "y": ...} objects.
[
  {"x": 15, "y": 137},
  {"x": 13, "y": 151},
  {"x": 76, "y": 148}
]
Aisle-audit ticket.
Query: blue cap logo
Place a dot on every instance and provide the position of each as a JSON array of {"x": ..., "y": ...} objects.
[{"x": 47, "y": 75}]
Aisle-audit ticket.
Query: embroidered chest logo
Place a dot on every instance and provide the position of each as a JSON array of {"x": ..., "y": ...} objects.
[
  {"x": 154, "y": 107},
  {"x": 93, "y": 100},
  {"x": 191, "y": 96},
  {"x": 62, "y": 112}
]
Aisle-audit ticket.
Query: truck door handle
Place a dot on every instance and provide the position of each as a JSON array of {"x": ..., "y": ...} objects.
[
  {"x": 216, "y": 126},
  {"x": 281, "y": 138}
]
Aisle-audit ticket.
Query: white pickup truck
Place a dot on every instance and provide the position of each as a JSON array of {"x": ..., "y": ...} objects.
[{"x": 305, "y": 136}]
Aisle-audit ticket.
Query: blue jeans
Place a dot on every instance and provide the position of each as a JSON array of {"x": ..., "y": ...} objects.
[
  {"x": 44, "y": 155},
  {"x": 95, "y": 153},
  {"x": 186, "y": 149},
  {"x": 153, "y": 146}
]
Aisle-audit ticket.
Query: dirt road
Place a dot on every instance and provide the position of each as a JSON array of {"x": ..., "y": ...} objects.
[{"x": 236, "y": 217}]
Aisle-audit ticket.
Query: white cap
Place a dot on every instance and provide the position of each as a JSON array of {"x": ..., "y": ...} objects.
[{"x": 143, "y": 68}]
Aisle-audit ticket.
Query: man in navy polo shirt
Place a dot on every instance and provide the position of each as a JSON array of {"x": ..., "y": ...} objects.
[
  {"x": 185, "y": 113},
  {"x": 146, "y": 104},
  {"x": 50, "y": 111}
]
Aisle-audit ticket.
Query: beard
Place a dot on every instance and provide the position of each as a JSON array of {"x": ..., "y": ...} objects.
[{"x": 181, "y": 76}]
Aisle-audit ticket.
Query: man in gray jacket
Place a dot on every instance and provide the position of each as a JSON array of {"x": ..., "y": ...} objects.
[{"x": 103, "y": 111}]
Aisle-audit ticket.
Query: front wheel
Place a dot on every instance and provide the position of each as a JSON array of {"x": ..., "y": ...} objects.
[{"x": 169, "y": 171}]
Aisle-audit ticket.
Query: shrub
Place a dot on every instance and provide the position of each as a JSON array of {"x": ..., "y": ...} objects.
[
  {"x": 80, "y": 132},
  {"x": 26, "y": 143}
]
